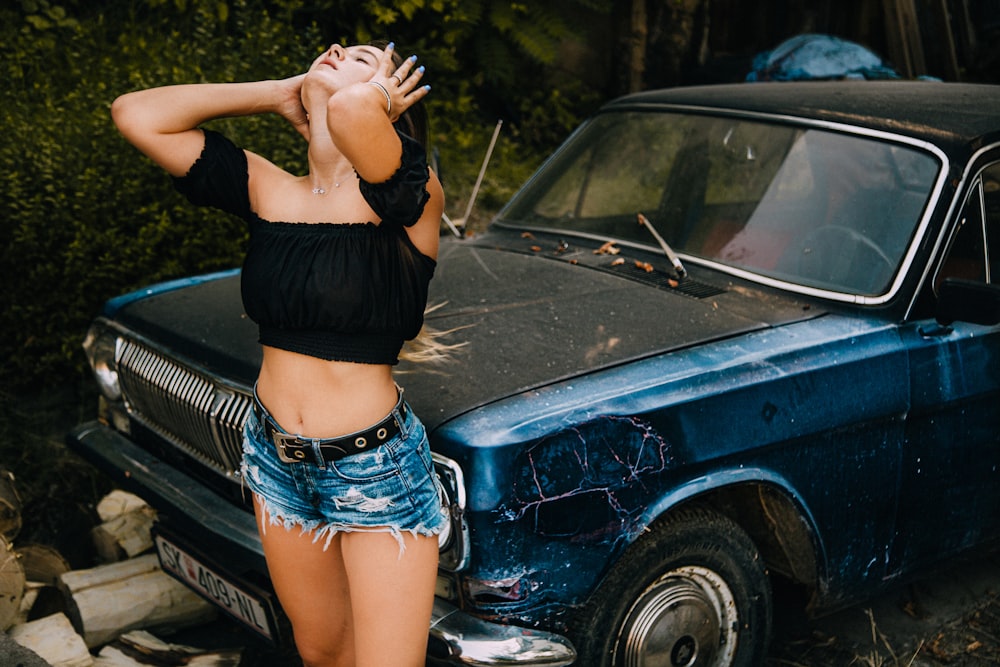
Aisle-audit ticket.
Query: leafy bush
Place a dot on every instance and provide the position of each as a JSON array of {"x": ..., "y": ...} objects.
[{"x": 86, "y": 217}]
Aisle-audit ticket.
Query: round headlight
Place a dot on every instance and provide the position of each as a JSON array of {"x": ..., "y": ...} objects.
[
  {"x": 101, "y": 345},
  {"x": 444, "y": 537}
]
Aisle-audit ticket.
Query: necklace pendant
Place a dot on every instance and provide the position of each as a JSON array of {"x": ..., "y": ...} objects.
[{"x": 323, "y": 191}]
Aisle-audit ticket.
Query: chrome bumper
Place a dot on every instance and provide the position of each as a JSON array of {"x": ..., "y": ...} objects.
[
  {"x": 473, "y": 641},
  {"x": 467, "y": 640}
]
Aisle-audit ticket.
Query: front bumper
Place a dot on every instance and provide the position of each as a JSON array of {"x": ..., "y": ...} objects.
[{"x": 455, "y": 637}]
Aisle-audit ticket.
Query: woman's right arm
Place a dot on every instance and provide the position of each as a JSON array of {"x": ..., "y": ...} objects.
[{"x": 163, "y": 122}]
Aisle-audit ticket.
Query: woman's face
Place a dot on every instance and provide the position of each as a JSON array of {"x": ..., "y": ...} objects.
[{"x": 341, "y": 66}]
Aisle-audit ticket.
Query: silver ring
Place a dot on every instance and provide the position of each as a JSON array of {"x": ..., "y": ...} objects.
[{"x": 396, "y": 77}]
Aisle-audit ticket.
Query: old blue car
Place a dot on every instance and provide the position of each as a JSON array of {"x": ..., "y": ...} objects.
[{"x": 725, "y": 335}]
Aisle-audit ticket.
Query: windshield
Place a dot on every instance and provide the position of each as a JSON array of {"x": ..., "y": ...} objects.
[{"x": 818, "y": 208}]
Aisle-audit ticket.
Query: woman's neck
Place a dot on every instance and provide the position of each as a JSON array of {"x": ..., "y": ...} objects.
[{"x": 328, "y": 167}]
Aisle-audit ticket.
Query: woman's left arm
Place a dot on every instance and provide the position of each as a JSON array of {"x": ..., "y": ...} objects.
[
  {"x": 360, "y": 120},
  {"x": 360, "y": 117},
  {"x": 426, "y": 233}
]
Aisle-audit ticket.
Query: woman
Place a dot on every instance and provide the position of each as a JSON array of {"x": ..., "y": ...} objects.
[{"x": 336, "y": 277}]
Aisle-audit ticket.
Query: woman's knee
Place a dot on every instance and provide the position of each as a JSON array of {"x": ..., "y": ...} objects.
[{"x": 324, "y": 651}]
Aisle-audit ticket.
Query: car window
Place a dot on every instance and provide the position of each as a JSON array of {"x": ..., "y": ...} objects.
[
  {"x": 816, "y": 207},
  {"x": 605, "y": 175},
  {"x": 991, "y": 211},
  {"x": 974, "y": 253}
]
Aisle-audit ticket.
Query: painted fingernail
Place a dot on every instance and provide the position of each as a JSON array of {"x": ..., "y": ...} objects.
[
  {"x": 421, "y": 69},
  {"x": 391, "y": 45},
  {"x": 413, "y": 59},
  {"x": 427, "y": 87}
]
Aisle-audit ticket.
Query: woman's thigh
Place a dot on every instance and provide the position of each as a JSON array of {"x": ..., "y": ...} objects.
[
  {"x": 311, "y": 582},
  {"x": 392, "y": 595},
  {"x": 358, "y": 599}
]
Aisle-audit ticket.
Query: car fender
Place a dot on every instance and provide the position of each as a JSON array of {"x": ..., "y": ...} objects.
[{"x": 779, "y": 520}]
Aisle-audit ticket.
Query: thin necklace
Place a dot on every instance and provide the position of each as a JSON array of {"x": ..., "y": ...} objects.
[{"x": 322, "y": 191}]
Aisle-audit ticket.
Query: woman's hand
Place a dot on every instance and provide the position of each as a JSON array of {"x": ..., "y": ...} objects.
[
  {"x": 290, "y": 107},
  {"x": 402, "y": 83}
]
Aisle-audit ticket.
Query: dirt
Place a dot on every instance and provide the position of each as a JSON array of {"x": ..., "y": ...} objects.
[{"x": 952, "y": 618}]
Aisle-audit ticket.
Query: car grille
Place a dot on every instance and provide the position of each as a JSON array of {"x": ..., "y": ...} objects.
[{"x": 189, "y": 409}]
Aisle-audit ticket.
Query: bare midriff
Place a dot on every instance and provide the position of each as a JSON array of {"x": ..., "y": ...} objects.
[{"x": 316, "y": 398}]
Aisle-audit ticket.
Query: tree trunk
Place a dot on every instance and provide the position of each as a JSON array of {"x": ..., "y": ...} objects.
[
  {"x": 10, "y": 506},
  {"x": 106, "y": 601},
  {"x": 638, "y": 37},
  {"x": 54, "y": 640},
  {"x": 12, "y": 583},
  {"x": 141, "y": 649},
  {"x": 124, "y": 536},
  {"x": 124, "y": 533}
]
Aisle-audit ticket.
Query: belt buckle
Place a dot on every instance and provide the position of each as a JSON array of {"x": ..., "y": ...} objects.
[{"x": 280, "y": 440}]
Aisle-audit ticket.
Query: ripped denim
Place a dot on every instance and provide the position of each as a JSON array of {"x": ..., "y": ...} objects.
[{"x": 391, "y": 488}]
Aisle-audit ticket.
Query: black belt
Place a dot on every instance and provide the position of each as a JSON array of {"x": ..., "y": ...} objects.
[{"x": 295, "y": 449}]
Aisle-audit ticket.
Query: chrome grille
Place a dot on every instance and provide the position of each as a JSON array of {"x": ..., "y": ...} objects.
[{"x": 186, "y": 407}]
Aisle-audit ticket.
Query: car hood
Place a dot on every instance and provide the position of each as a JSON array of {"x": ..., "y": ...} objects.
[{"x": 522, "y": 318}]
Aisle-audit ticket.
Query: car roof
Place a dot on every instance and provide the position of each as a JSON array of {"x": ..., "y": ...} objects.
[{"x": 950, "y": 115}]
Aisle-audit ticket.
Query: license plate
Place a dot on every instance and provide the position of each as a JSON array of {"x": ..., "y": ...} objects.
[{"x": 253, "y": 609}]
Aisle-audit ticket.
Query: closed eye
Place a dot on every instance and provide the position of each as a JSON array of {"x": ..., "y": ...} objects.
[{"x": 366, "y": 56}]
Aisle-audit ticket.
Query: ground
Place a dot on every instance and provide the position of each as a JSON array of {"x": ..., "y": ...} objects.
[{"x": 952, "y": 619}]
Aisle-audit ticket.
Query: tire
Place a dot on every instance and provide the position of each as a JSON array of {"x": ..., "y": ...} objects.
[{"x": 691, "y": 592}]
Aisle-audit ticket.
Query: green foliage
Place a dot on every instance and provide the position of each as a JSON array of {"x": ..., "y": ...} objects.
[{"x": 83, "y": 216}]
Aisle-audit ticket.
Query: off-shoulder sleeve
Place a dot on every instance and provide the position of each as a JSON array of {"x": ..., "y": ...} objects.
[
  {"x": 401, "y": 199},
  {"x": 219, "y": 177}
]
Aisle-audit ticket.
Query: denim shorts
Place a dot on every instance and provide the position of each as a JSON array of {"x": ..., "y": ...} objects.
[{"x": 392, "y": 488}]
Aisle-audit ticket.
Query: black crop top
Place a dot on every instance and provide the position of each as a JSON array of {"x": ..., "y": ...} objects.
[{"x": 336, "y": 291}]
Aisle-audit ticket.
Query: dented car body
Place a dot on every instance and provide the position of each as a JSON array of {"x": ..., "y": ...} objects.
[{"x": 724, "y": 334}]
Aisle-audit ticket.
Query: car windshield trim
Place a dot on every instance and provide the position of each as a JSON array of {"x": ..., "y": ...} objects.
[{"x": 925, "y": 192}]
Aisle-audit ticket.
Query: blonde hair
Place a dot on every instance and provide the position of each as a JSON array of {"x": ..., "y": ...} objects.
[{"x": 430, "y": 345}]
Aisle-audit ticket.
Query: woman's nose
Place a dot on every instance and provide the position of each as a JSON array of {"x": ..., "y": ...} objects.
[{"x": 337, "y": 51}]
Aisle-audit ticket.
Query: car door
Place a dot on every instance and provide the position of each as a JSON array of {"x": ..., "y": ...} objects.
[{"x": 950, "y": 496}]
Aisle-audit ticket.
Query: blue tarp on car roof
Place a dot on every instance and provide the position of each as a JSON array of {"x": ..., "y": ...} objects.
[{"x": 811, "y": 57}]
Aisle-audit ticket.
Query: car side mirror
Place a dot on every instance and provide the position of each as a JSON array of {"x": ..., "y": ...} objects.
[{"x": 967, "y": 301}]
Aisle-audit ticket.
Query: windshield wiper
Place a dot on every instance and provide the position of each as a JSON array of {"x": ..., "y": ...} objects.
[{"x": 671, "y": 255}]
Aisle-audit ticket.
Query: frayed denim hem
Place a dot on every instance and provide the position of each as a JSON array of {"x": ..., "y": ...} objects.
[
  {"x": 324, "y": 531},
  {"x": 367, "y": 492}
]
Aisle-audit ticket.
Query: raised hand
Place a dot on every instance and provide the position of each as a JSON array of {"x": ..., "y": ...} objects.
[
  {"x": 290, "y": 107},
  {"x": 401, "y": 85}
]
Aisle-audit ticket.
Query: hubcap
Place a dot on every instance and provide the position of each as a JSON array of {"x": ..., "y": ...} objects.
[{"x": 686, "y": 618}]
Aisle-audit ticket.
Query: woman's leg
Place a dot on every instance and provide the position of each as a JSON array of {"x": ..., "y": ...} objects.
[
  {"x": 312, "y": 587},
  {"x": 392, "y": 595}
]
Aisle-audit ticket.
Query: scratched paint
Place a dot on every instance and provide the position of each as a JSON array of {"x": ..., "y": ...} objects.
[
  {"x": 583, "y": 491},
  {"x": 581, "y": 483}
]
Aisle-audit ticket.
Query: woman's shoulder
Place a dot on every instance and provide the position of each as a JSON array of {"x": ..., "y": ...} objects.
[
  {"x": 401, "y": 198},
  {"x": 264, "y": 174},
  {"x": 218, "y": 177}
]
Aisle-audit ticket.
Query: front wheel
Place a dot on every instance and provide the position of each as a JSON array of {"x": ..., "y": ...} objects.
[{"x": 692, "y": 592}]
